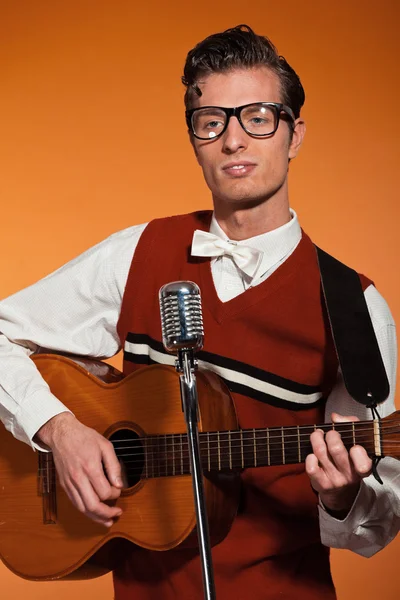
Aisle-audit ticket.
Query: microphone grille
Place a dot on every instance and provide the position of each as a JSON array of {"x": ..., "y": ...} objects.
[{"x": 181, "y": 316}]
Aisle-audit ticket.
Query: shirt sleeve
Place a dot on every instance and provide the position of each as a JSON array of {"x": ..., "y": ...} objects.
[
  {"x": 74, "y": 310},
  {"x": 374, "y": 518}
]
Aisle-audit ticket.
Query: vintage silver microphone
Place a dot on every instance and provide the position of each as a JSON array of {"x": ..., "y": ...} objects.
[
  {"x": 181, "y": 316},
  {"x": 183, "y": 334}
]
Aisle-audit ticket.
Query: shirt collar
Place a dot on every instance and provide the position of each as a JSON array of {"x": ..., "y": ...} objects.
[{"x": 275, "y": 245}]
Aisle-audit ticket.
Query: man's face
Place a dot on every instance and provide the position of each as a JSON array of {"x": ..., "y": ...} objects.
[{"x": 238, "y": 168}]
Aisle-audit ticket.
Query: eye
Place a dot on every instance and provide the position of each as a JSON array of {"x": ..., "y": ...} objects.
[
  {"x": 208, "y": 121},
  {"x": 213, "y": 124},
  {"x": 258, "y": 120}
]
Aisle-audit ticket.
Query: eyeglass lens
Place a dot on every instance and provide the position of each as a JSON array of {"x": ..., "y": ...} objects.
[{"x": 256, "y": 119}]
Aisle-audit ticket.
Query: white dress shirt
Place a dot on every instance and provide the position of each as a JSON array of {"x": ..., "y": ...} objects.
[{"x": 76, "y": 310}]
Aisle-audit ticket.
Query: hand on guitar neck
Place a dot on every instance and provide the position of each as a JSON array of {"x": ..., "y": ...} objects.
[
  {"x": 335, "y": 472},
  {"x": 79, "y": 455}
]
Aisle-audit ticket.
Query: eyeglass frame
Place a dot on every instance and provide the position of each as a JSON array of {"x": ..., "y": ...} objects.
[{"x": 235, "y": 112}]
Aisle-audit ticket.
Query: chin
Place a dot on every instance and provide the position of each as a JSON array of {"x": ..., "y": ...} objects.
[{"x": 243, "y": 195}]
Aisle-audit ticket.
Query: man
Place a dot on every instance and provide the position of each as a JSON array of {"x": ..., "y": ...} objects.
[{"x": 264, "y": 324}]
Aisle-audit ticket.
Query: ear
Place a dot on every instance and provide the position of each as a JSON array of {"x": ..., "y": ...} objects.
[{"x": 297, "y": 138}]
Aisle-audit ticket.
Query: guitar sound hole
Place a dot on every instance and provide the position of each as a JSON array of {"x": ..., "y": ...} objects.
[{"x": 129, "y": 450}]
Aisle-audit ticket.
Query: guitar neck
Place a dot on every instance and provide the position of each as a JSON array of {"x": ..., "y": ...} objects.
[{"x": 167, "y": 455}]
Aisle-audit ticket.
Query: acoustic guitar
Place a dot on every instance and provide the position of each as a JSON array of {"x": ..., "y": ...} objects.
[{"x": 43, "y": 537}]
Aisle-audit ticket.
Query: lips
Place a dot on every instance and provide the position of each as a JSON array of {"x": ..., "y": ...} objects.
[{"x": 238, "y": 168}]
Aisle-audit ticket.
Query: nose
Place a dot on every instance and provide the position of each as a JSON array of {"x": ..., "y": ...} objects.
[{"x": 234, "y": 137}]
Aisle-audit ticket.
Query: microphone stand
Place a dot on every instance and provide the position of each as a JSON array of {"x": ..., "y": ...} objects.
[{"x": 186, "y": 365}]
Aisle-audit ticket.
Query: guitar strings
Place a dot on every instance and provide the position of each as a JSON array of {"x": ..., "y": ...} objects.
[
  {"x": 278, "y": 443},
  {"x": 183, "y": 460},
  {"x": 235, "y": 439},
  {"x": 226, "y": 444},
  {"x": 277, "y": 431}
]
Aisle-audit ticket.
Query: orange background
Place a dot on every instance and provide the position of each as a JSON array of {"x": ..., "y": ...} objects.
[{"x": 85, "y": 87}]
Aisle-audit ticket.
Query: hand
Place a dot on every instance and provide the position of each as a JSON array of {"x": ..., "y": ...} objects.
[
  {"x": 334, "y": 472},
  {"x": 79, "y": 454}
]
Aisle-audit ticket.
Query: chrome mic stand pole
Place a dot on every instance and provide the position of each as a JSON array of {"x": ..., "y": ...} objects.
[
  {"x": 182, "y": 329},
  {"x": 190, "y": 407}
]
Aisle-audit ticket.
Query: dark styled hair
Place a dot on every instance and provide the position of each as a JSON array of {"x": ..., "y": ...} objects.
[{"x": 240, "y": 47}]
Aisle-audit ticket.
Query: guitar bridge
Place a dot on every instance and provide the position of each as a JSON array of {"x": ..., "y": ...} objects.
[{"x": 47, "y": 487}]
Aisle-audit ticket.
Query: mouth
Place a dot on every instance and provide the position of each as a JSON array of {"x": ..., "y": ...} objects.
[{"x": 238, "y": 169}]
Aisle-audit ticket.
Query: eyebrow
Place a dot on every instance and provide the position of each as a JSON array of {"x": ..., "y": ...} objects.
[{"x": 210, "y": 109}]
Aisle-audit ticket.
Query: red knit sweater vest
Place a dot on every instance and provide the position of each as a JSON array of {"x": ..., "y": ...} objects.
[{"x": 273, "y": 346}]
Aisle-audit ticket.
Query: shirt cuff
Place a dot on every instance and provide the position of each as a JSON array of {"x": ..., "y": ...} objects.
[
  {"x": 337, "y": 533},
  {"x": 36, "y": 410}
]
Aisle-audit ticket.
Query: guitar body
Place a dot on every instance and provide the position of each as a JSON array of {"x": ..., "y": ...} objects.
[{"x": 42, "y": 536}]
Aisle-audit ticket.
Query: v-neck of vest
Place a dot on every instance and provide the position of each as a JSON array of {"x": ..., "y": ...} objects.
[{"x": 222, "y": 311}]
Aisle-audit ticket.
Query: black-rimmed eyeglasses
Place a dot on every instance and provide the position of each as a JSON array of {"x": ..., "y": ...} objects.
[{"x": 259, "y": 119}]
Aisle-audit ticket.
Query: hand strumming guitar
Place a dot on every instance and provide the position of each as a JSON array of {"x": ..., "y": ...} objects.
[
  {"x": 79, "y": 455},
  {"x": 334, "y": 472}
]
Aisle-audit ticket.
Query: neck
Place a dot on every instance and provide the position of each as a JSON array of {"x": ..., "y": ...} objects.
[{"x": 240, "y": 222}]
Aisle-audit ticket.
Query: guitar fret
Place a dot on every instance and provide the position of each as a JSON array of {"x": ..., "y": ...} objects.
[
  {"x": 166, "y": 453},
  {"x": 173, "y": 454},
  {"x": 268, "y": 449},
  {"x": 283, "y": 447},
  {"x": 219, "y": 451},
  {"x": 181, "y": 454},
  {"x": 241, "y": 447},
  {"x": 254, "y": 447},
  {"x": 163, "y": 457},
  {"x": 154, "y": 453},
  {"x": 230, "y": 449},
  {"x": 247, "y": 449},
  {"x": 146, "y": 466},
  {"x": 298, "y": 443},
  {"x": 354, "y": 433},
  {"x": 157, "y": 458}
]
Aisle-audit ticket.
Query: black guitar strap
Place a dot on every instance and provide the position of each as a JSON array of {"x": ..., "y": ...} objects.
[{"x": 356, "y": 345}]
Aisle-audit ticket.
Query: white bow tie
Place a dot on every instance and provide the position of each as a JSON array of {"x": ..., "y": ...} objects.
[{"x": 207, "y": 244}]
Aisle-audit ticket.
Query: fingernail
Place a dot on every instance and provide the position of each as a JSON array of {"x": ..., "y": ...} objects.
[{"x": 118, "y": 481}]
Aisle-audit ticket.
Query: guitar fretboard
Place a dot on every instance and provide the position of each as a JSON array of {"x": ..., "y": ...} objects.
[{"x": 168, "y": 455}]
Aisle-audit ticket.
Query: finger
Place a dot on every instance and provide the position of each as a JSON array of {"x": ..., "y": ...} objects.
[
  {"x": 320, "y": 450},
  {"x": 339, "y": 454},
  {"x": 361, "y": 462},
  {"x": 112, "y": 465},
  {"x": 101, "y": 485},
  {"x": 114, "y": 493},
  {"x": 312, "y": 466},
  {"x": 93, "y": 507},
  {"x": 124, "y": 475},
  {"x": 75, "y": 497},
  {"x": 318, "y": 477},
  {"x": 337, "y": 418}
]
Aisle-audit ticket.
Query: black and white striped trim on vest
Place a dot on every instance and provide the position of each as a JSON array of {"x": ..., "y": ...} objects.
[{"x": 240, "y": 377}]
